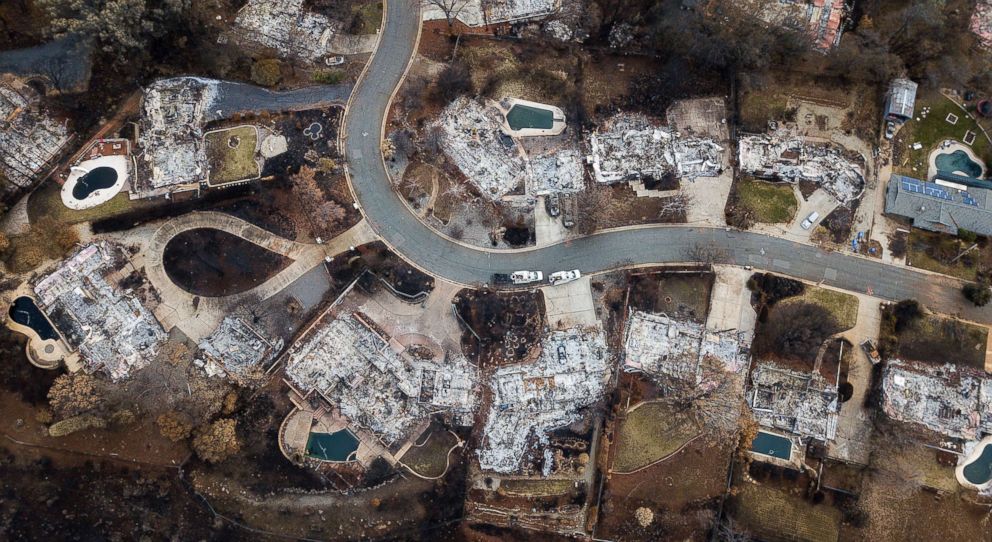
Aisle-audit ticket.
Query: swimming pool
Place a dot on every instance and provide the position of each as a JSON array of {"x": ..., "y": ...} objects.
[
  {"x": 979, "y": 471},
  {"x": 95, "y": 179},
  {"x": 772, "y": 445},
  {"x": 24, "y": 311},
  {"x": 958, "y": 161},
  {"x": 337, "y": 446},
  {"x": 524, "y": 116}
]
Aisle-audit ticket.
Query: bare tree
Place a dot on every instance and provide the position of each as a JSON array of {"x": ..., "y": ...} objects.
[
  {"x": 675, "y": 207},
  {"x": 708, "y": 253},
  {"x": 450, "y": 8},
  {"x": 56, "y": 70}
]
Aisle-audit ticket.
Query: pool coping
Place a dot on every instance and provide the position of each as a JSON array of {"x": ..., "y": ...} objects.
[
  {"x": 792, "y": 462},
  {"x": 967, "y": 459},
  {"x": 34, "y": 347},
  {"x": 103, "y": 195}
]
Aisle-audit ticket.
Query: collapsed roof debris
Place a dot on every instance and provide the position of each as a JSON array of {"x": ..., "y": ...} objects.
[
  {"x": 556, "y": 172},
  {"x": 667, "y": 348},
  {"x": 632, "y": 147},
  {"x": 804, "y": 404},
  {"x": 29, "y": 138},
  {"x": 109, "y": 326},
  {"x": 285, "y": 26},
  {"x": 790, "y": 158},
  {"x": 951, "y": 400},
  {"x": 981, "y": 22},
  {"x": 239, "y": 348},
  {"x": 486, "y": 12},
  {"x": 821, "y": 20},
  {"x": 535, "y": 398},
  {"x": 172, "y": 134},
  {"x": 354, "y": 366},
  {"x": 471, "y": 137}
]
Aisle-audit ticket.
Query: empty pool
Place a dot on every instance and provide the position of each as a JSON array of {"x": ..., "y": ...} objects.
[
  {"x": 772, "y": 445},
  {"x": 337, "y": 446},
  {"x": 979, "y": 471},
  {"x": 958, "y": 162},
  {"x": 521, "y": 117},
  {"x": 95, "y": 179},
  {"x": 25, "y": 312}
]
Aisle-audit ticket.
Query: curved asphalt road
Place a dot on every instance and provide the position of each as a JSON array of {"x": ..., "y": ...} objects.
[{"x": 404, "y": 232}]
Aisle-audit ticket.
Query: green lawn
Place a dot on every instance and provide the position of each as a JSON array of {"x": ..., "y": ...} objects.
[
  {"x": 934, "y": 129},
  {"x": 230, "y": 164},
  {"x": 771, "y": 203},
  {"x": 649, "y": 433},
  {"x": 367, "y": 18},
  {"x": 46, "y": 202},
  {"x": 536, "y": 488},
  {"x": 760, "y": 106},
  {"x": 843, "y": 306},
  {"x": 923, "y": 244}
]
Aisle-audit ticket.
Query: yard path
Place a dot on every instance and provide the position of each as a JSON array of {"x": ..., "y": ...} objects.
[{"x": 198, "y": 315}]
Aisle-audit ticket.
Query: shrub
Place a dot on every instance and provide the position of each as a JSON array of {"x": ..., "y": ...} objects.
[
  {"x": 967, "y": 236},
  {"x": 76, "y": 423},
  {"x": 979, "y": 294},
  {"x": 905, "y": 313},
  {"x": 266, "y": 72},
  {"x": 174, "y": 426},
  {"x": 328, "y": 77},
  {"x": 217, "y": 441}
]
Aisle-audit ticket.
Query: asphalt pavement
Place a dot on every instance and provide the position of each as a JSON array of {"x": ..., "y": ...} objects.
[{"x": 660, "y": 244}]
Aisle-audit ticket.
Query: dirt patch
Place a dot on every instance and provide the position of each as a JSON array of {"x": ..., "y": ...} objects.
[
  {"x": 383, "y": 266},
  {"x": 429, "y": 456},
  {"x": 500, "y": 328},
  {"x": 934, "y": 339},
  {"x": 679, "y": 295},
  {"x": 215, "y": 263},
  {"x": 649, "y": 433}
]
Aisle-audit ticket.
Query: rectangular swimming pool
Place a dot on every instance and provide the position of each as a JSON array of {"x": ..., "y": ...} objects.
[
  {"x": 772, "y": 445},
  {"x": 525, "y": 116}
]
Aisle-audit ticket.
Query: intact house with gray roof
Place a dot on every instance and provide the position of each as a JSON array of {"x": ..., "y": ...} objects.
[{"x": 938, "y": 207}]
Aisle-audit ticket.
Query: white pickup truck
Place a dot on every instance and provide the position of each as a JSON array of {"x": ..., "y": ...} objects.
[{"x": 561, "y": 277}]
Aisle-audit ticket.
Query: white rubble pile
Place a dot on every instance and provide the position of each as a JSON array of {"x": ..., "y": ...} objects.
[
  {"x": 238, "y": 348},
  {"x": 803, "y": 404},
  {"x": 111, "y": 328},
  {"x": 663, "y": 347},
  {"x": 632, "y": 147},
  {"x": 471, "y": 137},
  {"x": 29, "y": 138},
  {"x": 790, "y": 158},
  {"x": 981, "y": 22},
  {"x": 285, "y": 26},
  {"x": 486, "y": 12},
  {"x": 556, "y": 172},
  {"x": 532, "y": 399},
  {"x": 951, "y": 400},
  {"x": 171, "y": 138},
  {"x": 375, "y": 387}
]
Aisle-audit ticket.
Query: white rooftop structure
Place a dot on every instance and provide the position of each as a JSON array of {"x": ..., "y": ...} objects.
[
  {"x": 532, "y": 399},
  {"x": 111, "y": 329}
]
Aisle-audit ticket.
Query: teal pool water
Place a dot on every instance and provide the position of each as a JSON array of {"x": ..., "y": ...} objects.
[
  {"x": 958, "y": 161},
  {"x": 772, "y": 445},
  {"x": 979, "y": 471},
  {"x": 524, "y": 116},
  {"x": 337, "y": 446}
]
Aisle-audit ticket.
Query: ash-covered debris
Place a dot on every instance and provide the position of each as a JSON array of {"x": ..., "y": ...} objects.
[
  {"x": 951, "y": 400},
  {"x": 804, "y": 404},
  {"x": 632, "y": 147},
  {"x": 555, "y": 172},
  {"x": 171, "y": 137},
  {"x": 487, "y": 12},
  {"x": 821, "y": 20},
  {"x": 239, "y": 348},
  {"x": 471, "y": 137},
  {"x": 29, "y": 137},
  {"x": 108, "y": 324},
  {"x": 532, "y": 399},
  {"x": 374, "y": 383},
  {"x": 285, "y": 26},
  {"x": 663, "y": 347},
  {"x": 981, "y": 22},
  {"x": 790, "y": 158}
]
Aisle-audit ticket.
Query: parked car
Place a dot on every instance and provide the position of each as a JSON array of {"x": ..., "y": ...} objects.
[
  {"x": 552, "y": 204},
  {"x": 890, "y": 129},
  {"x": 518, "y": 277},
  {"x": 810, "y": 220},
  {"x": 334, "y": 60},
  {"x": 561, "y": 277}
]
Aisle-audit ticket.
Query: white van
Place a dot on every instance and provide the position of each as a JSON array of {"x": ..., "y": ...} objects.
[{"x": 810, "y": 220}]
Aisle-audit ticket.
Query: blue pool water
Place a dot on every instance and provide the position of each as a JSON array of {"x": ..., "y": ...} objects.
[
  {"x": 96, "y": 179},
  {"x": 772, "y": 445},
  {"x": 979, "y": 471},
  {"x": 25, "y": 312},
  {"x": 337, "y": 446},
  {"x": 958, "y": 161}
]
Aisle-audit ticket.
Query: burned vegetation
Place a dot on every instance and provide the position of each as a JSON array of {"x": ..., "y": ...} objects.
[{"x": 500, "y": 328}]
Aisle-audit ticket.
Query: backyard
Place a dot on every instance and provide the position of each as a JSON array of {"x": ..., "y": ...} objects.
[
  {"x": 231, "y": 154},
  {"x": 931, "y": 131},
  {"x": 775, "y": 515},
  {"x": 428, "y": 457},
  {"x": 649, "y": 433}
]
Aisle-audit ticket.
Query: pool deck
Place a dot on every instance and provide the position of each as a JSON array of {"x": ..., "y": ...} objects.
[
  {"x": 44, "y": 354},
  {"x": 952, "y": 146},
  {"x": 120, "y": 163},
  {"x": 557, "y": 127}
]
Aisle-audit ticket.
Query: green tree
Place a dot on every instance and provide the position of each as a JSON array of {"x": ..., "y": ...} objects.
[
  {"x": 977, "y": 293},
  {"x": 266, "y": 72}
]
